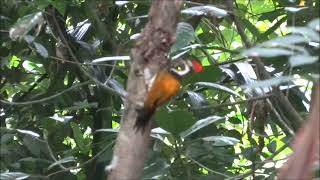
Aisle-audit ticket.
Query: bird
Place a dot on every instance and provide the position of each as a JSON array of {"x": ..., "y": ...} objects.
[{"x": 164, "y": 86}]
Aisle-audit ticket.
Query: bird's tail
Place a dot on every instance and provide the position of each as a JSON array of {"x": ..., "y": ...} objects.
[{"x": 143, "y": 118}]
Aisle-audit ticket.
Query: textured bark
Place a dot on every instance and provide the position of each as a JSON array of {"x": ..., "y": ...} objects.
[
  {"x": 149, "y": 53},
  {"x": 305, "y": 145}
]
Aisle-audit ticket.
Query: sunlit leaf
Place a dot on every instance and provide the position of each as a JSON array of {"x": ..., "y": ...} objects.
[
  {"x": 307, "y": 32},
  {"x": 315, "y": 24},
  {"x": 113, "y": 58},
  {"x": 218, "y": 86},
  {"x": 267, "y": 52},
  {"x": 107, "y": 130},
  {"x": 299, "y": 60},
  {"x": 294, "y": 9},
  {"x": 121, "y": 3},
  {"x": 290, "y": 39},
  {"x": 13, "y": 176},
  {"x": 78, "y": 137},
  {"x": 269, "y": 82},
  {"x": 28, "y": 132},
  {"x": 221, "y": 140},
  {"x": 205, "y": 10},
  {"x": 60, "y": 118}
]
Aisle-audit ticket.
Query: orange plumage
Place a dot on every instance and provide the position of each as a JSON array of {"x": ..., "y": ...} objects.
[{"x": 165, "y": 86}]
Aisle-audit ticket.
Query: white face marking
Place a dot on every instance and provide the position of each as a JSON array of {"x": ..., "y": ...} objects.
[{"x": 184, "y": 71}]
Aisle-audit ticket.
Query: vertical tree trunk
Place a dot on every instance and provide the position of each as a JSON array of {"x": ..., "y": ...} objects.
[{"x": 149, "y": 53}]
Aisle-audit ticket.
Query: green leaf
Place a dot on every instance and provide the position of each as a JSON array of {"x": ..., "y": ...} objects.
[
  {"x": 196, "y": 99},
  {"x": 82, "y": 105},
  {"x": 41, "y": 49},
  {"x": 299, "y": 60},
  {"x": 6, "y": 138},
  {"x": 25, "y": 24},
  {"x": 218, "y": 86},
  {"x": 272, "y": 146},
  {"x": 221, "y": 140},
  {"x": 14, "y": 61},
  {"x": 59, "y": 118},
  {"x": 78, "y": 137},
  {"x": 13, "y": 176},
  {"x": 272, "y": 15},
  {"x": 307, "y": 32},
  {"x": 272, "y": 29},
  {"x": 314, "y": 24},
  {"x": 287, "y": 40},
  {"x": 205, "y": 10},
  {"x": 31, "y": 133},
  {"x": 267, "y": 52},
  {"x": 42, "y": 4},
  {"x": 252, "y": 28},
  {"x": 32, "y": 145},
  {"x": 155, "y": 169},
  {"x": 60, "y": 5},
  {"x": 174, "y": 121},
  {"x": 185, "y": 35},
  {"x": 269, "y": 82},
  {"x": 208, "y": 74},
  {"x": 200, "y": 124},
  {"x": 234, "y": 120},
  {"x": 62, "y": 161}
]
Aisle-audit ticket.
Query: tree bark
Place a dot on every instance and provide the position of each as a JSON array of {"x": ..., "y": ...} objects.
[
  {"x": 306, "y": 152},
  {"x": 148, "y": 54}
]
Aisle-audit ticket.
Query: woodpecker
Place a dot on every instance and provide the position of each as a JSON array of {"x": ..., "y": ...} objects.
[{"x": 164, "y": 85}]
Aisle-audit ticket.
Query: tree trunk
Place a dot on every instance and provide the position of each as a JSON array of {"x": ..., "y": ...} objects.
[{"x": 148, "y": 54}]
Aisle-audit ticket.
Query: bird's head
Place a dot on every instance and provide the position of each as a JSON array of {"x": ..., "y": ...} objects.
[{"x": 183, "y": 67}]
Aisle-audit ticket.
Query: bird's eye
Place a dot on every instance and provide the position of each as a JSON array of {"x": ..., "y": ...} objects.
[{"x": 179, "y": 67}]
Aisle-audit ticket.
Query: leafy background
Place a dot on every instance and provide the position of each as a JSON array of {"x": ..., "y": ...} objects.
[{"x": 59, "y": 112}]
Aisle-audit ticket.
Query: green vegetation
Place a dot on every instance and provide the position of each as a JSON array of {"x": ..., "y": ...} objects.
[{"x": 60, "y": 107}]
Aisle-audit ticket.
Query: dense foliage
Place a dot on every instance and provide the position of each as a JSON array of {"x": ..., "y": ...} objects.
[{"x": 61, "y": 104}]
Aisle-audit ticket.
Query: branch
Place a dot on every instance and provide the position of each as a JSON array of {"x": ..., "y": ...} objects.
[
  {"x": 280, "y": 101},
  {"x": 149, "y": 53},
  {"x": 231, "y": 103},
  {"x": 65, "y": 42},
  {"x": 46, "y": 98}
]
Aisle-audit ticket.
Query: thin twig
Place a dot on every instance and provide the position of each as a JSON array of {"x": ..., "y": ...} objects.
[
  {"x": 208, "y": 169},
  {"x": 74, "y": 57},
  {"x": 262, "y": 73},
  {"x": 82, "y": 64},
  {"x": 232, "y": 103},
  {"x": 110, "y": 74},
  {"x": 83, "y": 164},
  {"x": 259, "y": 164},
  {"x": 280, "y": 119},
  {"x": 46, "y": 98}
]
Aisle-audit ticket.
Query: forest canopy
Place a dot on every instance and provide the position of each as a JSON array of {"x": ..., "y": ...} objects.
[{"x": 63, "y": 85}]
